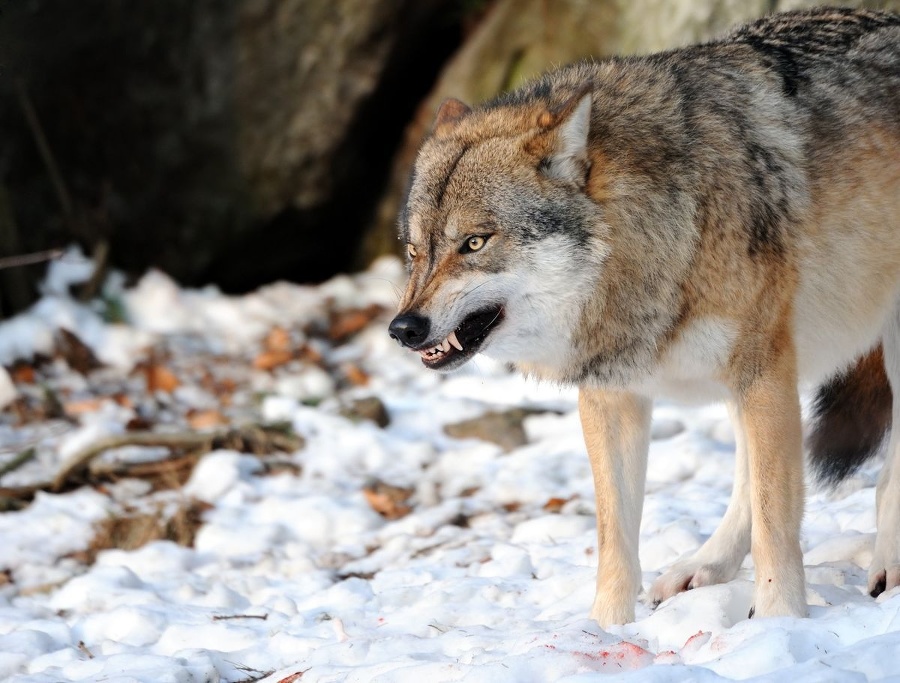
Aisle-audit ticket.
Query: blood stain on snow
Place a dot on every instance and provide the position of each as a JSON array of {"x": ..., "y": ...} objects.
[{"x": 623, "y": 655}]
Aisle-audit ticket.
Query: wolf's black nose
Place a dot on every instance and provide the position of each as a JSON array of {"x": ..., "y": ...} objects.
[{"x": 409, "y": 329}]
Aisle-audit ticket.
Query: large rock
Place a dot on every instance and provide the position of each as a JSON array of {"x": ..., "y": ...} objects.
[{"x": 228, "y": 140}]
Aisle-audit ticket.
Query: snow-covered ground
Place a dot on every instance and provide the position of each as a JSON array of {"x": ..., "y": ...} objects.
[{"x": 485, "y": 573}]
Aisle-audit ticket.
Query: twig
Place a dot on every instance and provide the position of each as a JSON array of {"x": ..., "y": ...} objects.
[
  {"x": 24, "y": 493},
  {"x": 100, "y": 257},
  {"x": 84, "y": 649},
  {"x": 169, "y": 440},
  {"x": 221, "y": 617},
  {"x": 40, "y": 139},
  {"x": 16, "y": 462},
  {"x": 30, "y": 259},
  {"x": 150, "y": 468},
  {"x": 255, "y": 674}
]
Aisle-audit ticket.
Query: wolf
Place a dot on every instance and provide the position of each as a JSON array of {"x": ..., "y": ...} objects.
[{"x": 712, "y": 223}]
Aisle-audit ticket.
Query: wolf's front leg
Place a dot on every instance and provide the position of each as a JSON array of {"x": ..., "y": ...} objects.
[
  {"x": 616, "y": 429},
  {"x": 769, "y": 410}
]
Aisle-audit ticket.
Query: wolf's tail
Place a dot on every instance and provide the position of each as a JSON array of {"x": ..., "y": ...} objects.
[{"x": 850, "y": 416}]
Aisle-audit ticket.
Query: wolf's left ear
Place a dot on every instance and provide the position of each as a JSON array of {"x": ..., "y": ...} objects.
[
  {"x": 450, "y": 113},
  {"x": 570, "y": 123}
]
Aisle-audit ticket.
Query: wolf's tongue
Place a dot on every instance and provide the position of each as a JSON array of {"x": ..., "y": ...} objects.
[{"x": 454, "y": 341}]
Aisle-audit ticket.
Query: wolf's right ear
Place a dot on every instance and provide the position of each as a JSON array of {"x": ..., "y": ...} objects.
[
  {"x": 570, "y": 123},
  {"x": 450, "y": 113}
]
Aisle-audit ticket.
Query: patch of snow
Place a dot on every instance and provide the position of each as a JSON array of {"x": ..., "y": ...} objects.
[{"x": 488, "y": 578}]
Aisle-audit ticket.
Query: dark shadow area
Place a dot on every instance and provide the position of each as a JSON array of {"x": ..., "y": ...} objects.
[
  {"x": 133, "y": 138},
  {"x": 312, "y": 245}
]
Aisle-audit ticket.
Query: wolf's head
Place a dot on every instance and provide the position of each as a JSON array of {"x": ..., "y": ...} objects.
[{"x": 503, "y": 244}]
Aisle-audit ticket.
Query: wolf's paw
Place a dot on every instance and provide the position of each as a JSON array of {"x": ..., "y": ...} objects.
[
  {"x": 883, "y": 577},
  {"x": 610, "y": 610},
  {"x": 686, "y": 575},
  {"x": 786, "y": 599},
  {"x": 884, "y": 571}
]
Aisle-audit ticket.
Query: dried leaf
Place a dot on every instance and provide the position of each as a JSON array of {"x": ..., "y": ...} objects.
[
  {"x": 160, "y": 378},
  {"x": 206, "y": 419},
  {"x": 137, "y": 424},
  {"x": 76, "y": 353},
  {"x": 85, "y": 405},
  {"x": 344, "y": 324},
  {"x": 387, "y": 500},
  {"x": 22, "y": 373},
  {"x": 292, "y": 678},
  {"x": 123, "y": 400},
  {"x": 269, "y": 360},
  {"x": 310, "y": 355},
  {"x": 131, "y": 531},
  {"x": 355, "y": 375},
  {"x": 556, "y": 504},
  {"x": 225, "y": 386},
  {"x": 278, "y": 339}
]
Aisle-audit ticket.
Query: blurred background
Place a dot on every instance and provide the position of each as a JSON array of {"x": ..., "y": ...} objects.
[{"x": 239, "y": 142}]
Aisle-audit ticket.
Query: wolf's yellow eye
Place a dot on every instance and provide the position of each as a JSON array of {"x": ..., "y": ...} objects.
[
  {"x": 473, "y": 243},
  {"x": 411, "y": 250}
]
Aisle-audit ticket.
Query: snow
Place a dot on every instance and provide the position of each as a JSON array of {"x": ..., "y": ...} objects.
[
  {"x": 8, "y": 392},
  {"x": 294, "y": 576}
]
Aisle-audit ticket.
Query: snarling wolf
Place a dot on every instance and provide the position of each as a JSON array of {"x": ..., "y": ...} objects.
[{"x": 719, "y": 222}]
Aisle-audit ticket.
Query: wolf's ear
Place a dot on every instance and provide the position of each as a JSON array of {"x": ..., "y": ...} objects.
[
  {"x": 570, "y": 123},
  {"x": 451, "y": 112}
]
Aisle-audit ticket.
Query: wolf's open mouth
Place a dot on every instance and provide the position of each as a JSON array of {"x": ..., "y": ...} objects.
[{"x": 464, "y": 341}]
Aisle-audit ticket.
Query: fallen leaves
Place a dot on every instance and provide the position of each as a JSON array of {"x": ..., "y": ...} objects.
[
  {"x": 555, "y": 505},
  {"x": 343, "y": 324},
  {"x": 206, "y": 419},
  {"x": 159, "y": 378},
  {"x": 184, "y": 399},
  {"x": 75, "y": 352},
  {"x": 136, "y": 528},
  {"x": 82, "y": 406},
  {"x": 269, "y": 360},
  {"x": 388, "y": 500},
  {"x": 23, "y": 373},
  {"x": 255, "y": 439},
  {"x": 278, "y": 339}
]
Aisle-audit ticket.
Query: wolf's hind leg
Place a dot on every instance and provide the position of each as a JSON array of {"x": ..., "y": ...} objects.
[
  {"x": 884, "y": 572},
  {"x": 719, "y": 559}
]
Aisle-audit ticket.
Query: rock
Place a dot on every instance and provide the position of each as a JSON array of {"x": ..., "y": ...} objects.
[
  {"x": 502, "y": 428},
  {"x": 218, "y": 141},
  {"x": 369, "y": 408}
]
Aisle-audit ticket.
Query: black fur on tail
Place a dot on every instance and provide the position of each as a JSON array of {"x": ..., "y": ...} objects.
[{"x": 850, "y": 416}]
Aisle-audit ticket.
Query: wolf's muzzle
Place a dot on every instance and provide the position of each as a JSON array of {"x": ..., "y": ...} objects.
[{"x": 410, "y": 329}]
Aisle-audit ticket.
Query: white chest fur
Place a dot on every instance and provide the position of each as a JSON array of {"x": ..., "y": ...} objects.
[{"x": 688, "y": 370}]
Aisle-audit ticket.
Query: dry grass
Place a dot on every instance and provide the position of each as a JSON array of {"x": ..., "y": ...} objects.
[{"x": 134, "y": 529}]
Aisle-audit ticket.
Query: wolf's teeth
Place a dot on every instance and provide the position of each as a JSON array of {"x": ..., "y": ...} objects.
[
  {"x": 445, "y": 345},
  {"x": 452, "y": 339}
]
